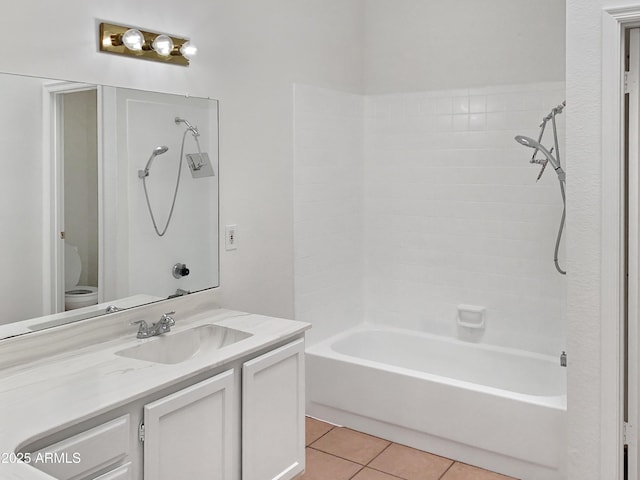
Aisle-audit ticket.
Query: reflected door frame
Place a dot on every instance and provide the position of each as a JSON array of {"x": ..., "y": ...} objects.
[{"x": 53, "y": 192}]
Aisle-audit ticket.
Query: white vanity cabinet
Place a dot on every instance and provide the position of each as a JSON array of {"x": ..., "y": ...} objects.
[
  {"x": 243, "y": 420},
  {"x": 273, "y": 414},
  {"x": 188, "y": 434}
]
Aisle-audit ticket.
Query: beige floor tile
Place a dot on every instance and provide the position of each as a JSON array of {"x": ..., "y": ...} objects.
[
  {"x": 369, "y": 474},
  {"x": 461, "y": 471},
  {"x": 322, "y": 466},
  {"x": 410, "y": 464},
  {"x": 315, "y": 429},
  {"x": 355, "y": 446}
]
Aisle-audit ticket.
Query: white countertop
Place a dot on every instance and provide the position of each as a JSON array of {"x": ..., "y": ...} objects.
[{"x": 48, "y": 394}]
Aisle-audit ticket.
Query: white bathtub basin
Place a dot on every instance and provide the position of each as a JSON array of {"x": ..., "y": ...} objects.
[
  {"x": 180, "y": 346},
  {"x": 498, "y": 408}
]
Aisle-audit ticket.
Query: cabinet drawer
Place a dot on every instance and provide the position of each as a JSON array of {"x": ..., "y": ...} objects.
[
  {"x": 121, "y": 473},
  {"x": 86, "y": 452}
]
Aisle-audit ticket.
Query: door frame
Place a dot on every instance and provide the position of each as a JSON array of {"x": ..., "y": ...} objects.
[
  {"x": 53, "y": 192},
  {"x": 615, "y": 22}
]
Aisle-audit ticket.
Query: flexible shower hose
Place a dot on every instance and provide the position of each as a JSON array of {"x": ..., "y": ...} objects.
[
  {"x": 564, "y": 211},
  {"x": 554, "y": 112}
]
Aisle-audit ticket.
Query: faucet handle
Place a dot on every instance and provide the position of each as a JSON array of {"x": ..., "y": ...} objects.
[
  {"x": 143, "y": 331},
  {"x": 143, "y": 326},
  {"x": 166, "y": 317}
]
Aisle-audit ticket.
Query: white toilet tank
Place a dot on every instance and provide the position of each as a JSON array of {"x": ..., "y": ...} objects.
[{"x": 76, "y": 296}]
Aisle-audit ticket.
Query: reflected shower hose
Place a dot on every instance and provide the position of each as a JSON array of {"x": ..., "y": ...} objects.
[{"x": 175, "y": 192}]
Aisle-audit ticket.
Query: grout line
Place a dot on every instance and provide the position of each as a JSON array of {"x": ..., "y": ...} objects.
[
  {"x": 320, "y": 438},
  {"x": 342, "y": 458},
  {"x": 453, "y": 462},
  {"x": 381, "y": 452},
  {"x": 338, "y": 456},
  {"x": 333, "y": 425},
  {"x": 386, "y": 473},
  {"x": 361, "y": 468}
]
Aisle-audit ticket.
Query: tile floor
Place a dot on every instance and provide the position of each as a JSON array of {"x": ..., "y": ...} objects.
[{"x": 337, "y": 453}]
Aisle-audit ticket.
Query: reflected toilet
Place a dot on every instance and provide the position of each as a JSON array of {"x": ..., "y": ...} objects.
[{"x": 76, "y": 296}]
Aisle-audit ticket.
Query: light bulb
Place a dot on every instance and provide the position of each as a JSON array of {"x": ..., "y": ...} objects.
[
  {"x": 133, "y": 39},
  {"x": 163, "y": 45},
  {"x": 188, "y": 50}
]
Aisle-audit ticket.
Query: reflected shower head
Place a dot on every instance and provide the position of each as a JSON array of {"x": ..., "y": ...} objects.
[
  {"x": 159, "y": 150},
  {"x": 156, "y": 151},
  {"x": 194, "y": 130}
]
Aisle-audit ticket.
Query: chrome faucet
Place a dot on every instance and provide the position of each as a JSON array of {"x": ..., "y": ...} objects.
[{"x": 161, "y": 326}]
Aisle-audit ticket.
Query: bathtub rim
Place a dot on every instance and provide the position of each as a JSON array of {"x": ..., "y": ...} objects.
[{"x": 324, "y": 348}]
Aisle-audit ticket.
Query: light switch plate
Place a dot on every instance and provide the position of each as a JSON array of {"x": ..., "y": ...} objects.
[{"x": 230, "y": 237}]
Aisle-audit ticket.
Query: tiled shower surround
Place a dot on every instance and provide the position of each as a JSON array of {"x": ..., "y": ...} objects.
[{"x": 419, "y": 202}]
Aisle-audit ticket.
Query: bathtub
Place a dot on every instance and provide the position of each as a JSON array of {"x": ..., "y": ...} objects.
[{"x": 497, "y": 408}]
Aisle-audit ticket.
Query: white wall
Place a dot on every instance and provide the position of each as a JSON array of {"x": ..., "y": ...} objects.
[
  {"x": 417, "y": 45},
  {"x": 328, "y": 204},
  {"x": 251, "y": 53},
  {"x": 454, "y": 215},
  {"x": 440, "y": 203},
  {"x": 583, "y": 130},
  {"x": 21, "y": 198}
]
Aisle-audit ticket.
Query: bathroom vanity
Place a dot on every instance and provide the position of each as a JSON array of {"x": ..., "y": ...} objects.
[{"x": 221, "y": 396}]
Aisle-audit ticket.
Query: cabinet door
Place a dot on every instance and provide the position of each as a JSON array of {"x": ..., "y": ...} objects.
[
  {"x": 188, "y": 434},
  {"x": 273, "y": 414}
]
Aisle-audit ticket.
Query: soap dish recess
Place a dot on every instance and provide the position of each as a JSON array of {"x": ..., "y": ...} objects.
[{"x": 471, "y": 316}]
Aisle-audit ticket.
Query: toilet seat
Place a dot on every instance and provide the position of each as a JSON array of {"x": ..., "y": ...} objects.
[
  {"x": 76, "y": 296},
  {"x": 72, "y": 266}
]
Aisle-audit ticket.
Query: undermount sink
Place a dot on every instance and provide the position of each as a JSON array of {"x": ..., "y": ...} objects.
[{"x": 177, "y": 347}]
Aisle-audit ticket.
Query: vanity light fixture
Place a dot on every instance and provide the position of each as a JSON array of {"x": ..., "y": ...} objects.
[
  {"x": 160, "y": 47},
  {"x": 133, "y": 39},
  {"x": 188, "y": 50},
  {"x": 163, "y": 45}
]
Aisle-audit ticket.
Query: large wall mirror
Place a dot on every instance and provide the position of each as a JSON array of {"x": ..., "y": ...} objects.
[{"x": 109, "y": 199}]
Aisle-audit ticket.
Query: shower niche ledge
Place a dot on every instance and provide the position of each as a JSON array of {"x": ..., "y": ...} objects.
[{"x": 95, "y": 414}]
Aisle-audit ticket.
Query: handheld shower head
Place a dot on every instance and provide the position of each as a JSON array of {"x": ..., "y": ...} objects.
[
  {"x": 156, "y": 151},
  {"x": 527, "y": 141},
  {"x": 531, "y": 143}
]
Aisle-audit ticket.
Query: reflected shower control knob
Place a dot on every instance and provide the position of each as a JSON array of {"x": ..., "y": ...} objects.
[{"x": 180, "y": 270}]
